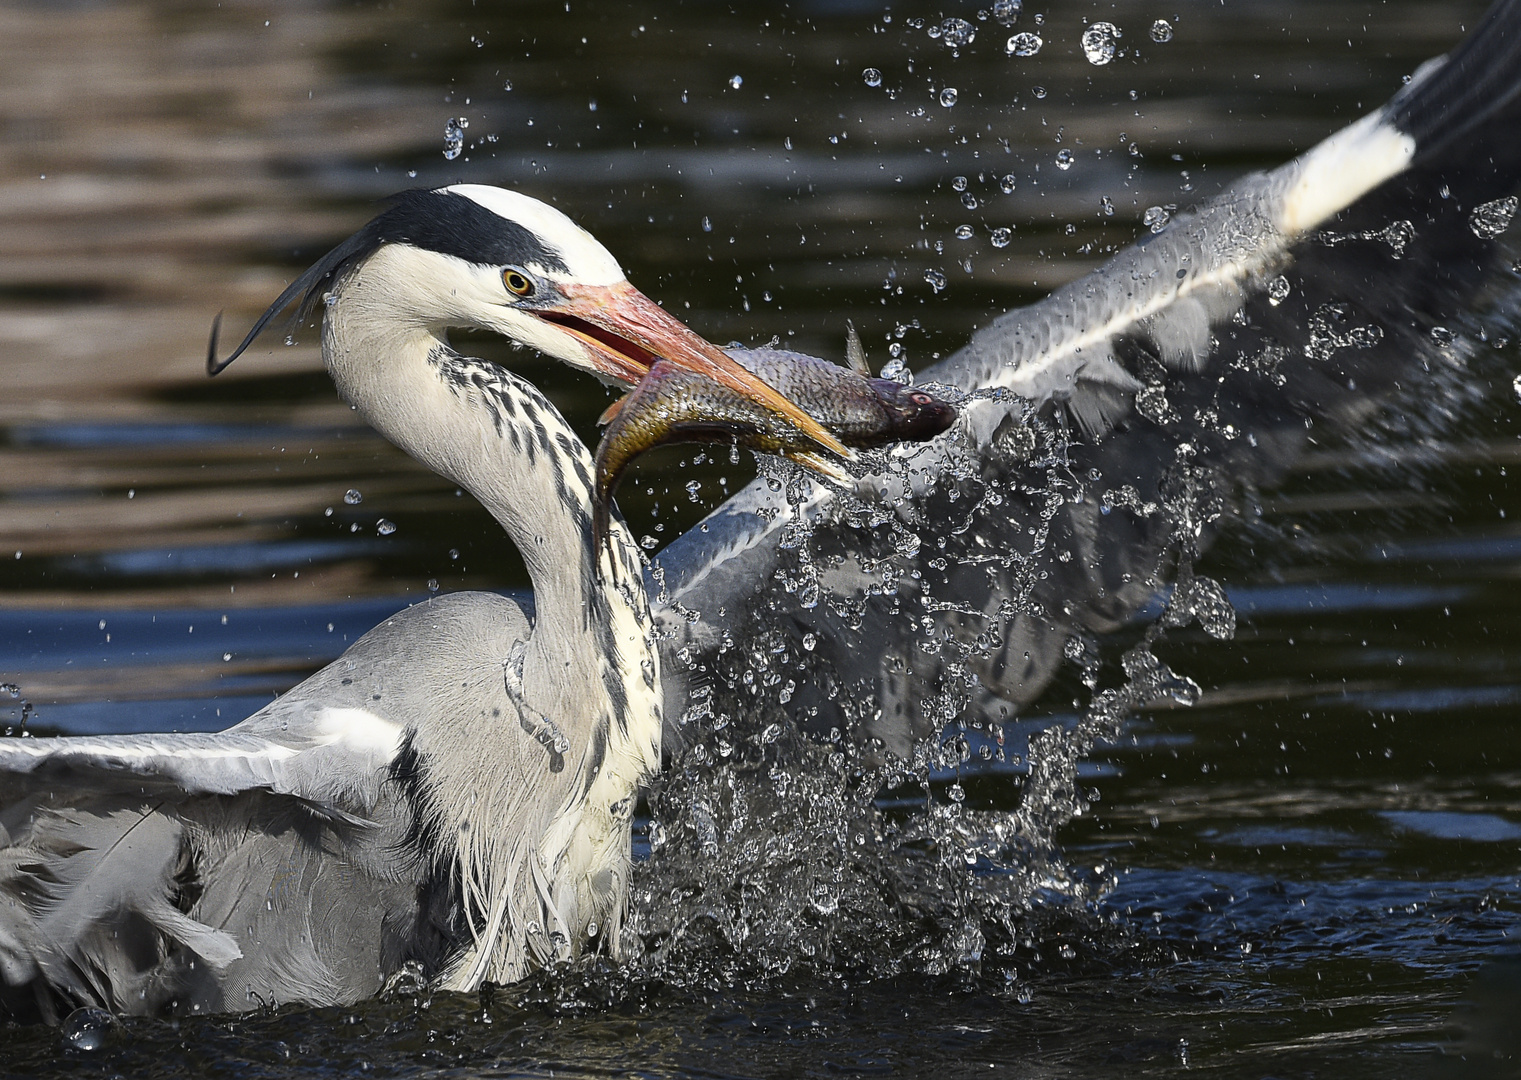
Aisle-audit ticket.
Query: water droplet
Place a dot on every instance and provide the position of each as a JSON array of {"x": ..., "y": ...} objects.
[
  {"x": 1024, "y": 44},
  {"x": 1107, "y": 204},
  {"x": 1064, "y": 160},
  {"x": 736, "y": 81},
  {"x": 707, "y": 224},
  {"x": 1006, "y": 12},
  {"x": 454, "y": 553},
  {"x": 433, "y": 585},
  {"x": 1161, "y": 31},
  {"x": 1098, "y": 42},
  {"x": 1491, "y": 219},
  {"x": 87, "y": 1029},
  {"x": 352, "y": 497},
  {"x": 1039, "y": 92},
  {"x": 1001, "y": 237},
  {"x": 454, "y": 137},
  {"x": 1443, "y": 336},
  {"x": 1278, "y": 290},
  {"x": 507, "y": 84},
  {"x": 385, "y": 527},
  {"x": 811, "y": 641},
  {"x": 948, "y": 96},
  {"x": 1515, "y": 385},
  {"x": 969, "y": 200},
  {"x": 872, "y": 76},
  {"x": 957, "y": 32},
  {"x": 958, "y": 183},
  {"x": 648, "y": 542},
  {"x": 1006, "y": 185},
  {"x": 963, "y": 232},
  {"x": 693, "y": 488},
  {"x": 935, "y": 278},
  {"x": 1156, "y": 218}
]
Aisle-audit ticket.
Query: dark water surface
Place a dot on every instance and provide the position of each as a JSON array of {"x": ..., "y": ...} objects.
[{"x": 1315, "y": 871}]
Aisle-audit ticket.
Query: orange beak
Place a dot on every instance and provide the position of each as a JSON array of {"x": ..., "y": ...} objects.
[{"x": 626, "y": 332}]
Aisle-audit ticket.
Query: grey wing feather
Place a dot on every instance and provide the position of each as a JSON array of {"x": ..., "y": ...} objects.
[{"x": 274, "y": 861}]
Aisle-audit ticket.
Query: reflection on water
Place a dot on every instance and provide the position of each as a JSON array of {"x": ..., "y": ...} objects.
[{"x": 1299, "y": 873}]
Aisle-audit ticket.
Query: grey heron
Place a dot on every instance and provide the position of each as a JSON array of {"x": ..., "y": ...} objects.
[
  {"x": 455, "y": 792},
  {"x": 1107, "y": 351}
]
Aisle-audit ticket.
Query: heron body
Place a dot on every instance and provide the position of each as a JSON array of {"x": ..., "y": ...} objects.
[
  {"x": 587, "y": 699},
  {"x": 456, "y": 790}
]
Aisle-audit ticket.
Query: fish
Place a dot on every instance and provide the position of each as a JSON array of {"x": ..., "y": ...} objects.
[{"x": 674, "y": 405}]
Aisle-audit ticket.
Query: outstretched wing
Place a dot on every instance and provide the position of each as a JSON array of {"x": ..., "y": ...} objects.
[{"x": 1108, "y": 424}]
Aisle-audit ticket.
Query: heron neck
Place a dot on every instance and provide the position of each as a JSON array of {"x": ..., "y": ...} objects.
[{"x": 498, "y": 437}]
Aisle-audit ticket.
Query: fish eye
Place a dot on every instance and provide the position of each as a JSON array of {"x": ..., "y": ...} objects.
[
  {"x": 919, "y": 397},
  {"x": 517, "y": 282}
]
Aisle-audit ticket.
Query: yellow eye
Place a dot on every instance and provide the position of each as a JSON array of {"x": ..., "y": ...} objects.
[{"x": 517, "y": 282}]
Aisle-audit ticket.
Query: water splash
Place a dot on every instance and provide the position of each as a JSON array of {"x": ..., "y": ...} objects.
[
  {"x": 1490, "y": 219},
  {"x": 1156, "y": 218},
  {"x": 454, "y": 137},
  {"x": 955, "y": 32},
  {"x": 796, "y": 836},
  {"x": 1099, "y": 42},
  {"x": 1330, "y": 330},
  {"x": 88, "y": 1029},
  {"x": 1023, "y": 44},
  {"x": 13, "y": 691}
]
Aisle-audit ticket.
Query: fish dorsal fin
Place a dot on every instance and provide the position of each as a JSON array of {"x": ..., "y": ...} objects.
[{"x": 855, "y": 355}]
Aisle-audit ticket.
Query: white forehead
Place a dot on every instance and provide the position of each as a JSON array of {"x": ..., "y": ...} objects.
[{"x": 590, "y": 263}]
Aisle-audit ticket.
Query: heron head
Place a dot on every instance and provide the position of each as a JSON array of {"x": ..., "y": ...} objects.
[{"x": 480, "y": 257}]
